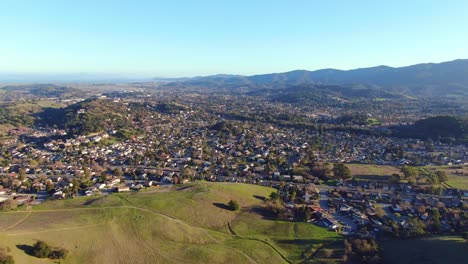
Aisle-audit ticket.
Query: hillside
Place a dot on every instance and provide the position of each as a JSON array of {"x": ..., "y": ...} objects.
[
  {"x": 181, "y": 225},
  {"x": 21, "y": 114},
  {"x": 429, "y": 79},
  {"x": 93, "y": 115},
  {"x": 444, "y": 128},
  {"x": 322, "y": 94}
]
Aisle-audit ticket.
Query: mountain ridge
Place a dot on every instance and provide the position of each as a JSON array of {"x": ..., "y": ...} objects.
[{"x": 432, "y": 79}]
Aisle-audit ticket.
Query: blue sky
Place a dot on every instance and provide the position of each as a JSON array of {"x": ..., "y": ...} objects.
[{"x": 188, "y": 38}]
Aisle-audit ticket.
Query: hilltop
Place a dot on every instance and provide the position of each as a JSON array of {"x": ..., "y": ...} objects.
[{"x": 183, "y": 224}]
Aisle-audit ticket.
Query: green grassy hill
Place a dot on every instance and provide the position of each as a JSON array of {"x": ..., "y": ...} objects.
[{"x": 185, "y": 224}]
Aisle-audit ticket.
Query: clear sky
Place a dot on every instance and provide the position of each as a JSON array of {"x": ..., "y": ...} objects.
[{"x": 200, "y": 37}]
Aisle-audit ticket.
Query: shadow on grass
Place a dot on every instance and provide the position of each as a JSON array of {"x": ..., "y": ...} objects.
[
  {"x": 26, "y": 248},
  {"x": 264, "y": 213},
  {"x": 184, "y": 188},
  {"x": 372, "y": 178},
  {"x": 222, "y": 206},
  {"x": 261, "y": 198},
  {"x": 93, "y": 201}
]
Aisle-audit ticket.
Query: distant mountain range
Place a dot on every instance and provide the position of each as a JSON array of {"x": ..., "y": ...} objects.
[{"x": 429, "y": 79}]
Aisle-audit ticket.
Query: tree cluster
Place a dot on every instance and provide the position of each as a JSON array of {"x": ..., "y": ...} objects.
[
  {"x": 362, "y": 251},
  {"x": 42, "y": 250}
]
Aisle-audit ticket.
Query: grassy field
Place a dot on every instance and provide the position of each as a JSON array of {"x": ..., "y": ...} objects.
[
  {"x": 457, "y": 181},
  {"x": 187, "y": 224},
  {"x": 457, "y": 175},
  {"x": 372, "y": 172},
  {"x": 435, "y": 250}
]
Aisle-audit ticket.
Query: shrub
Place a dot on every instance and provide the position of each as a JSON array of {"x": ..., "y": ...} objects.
[
  {"x": 58, "y": 253},
  {"x": 233, "y": 205},
  {"x": 5, "y": 258}
]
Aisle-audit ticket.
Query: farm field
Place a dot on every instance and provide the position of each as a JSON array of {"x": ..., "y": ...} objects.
[
  {"x": 429, "y": 250},
  {"x": 187, "y": 224}
]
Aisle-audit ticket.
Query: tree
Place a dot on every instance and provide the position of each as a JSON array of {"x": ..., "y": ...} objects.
[
  {"x": 416, "y": 227},
  {"x": 76, "y": 185},
  {"x": 50, "y": 188},
  {"x": 302, "y": 213},
  {"x": 341, "y": 171},
  {"x": 275, "y": 208},
  {"x": 409, "y": 172},
  {"x": 380, "y": 211},
  {"x": 233, "y": 205},
  {"x": 85, "y": 172},
  {"x": 188, "y": 173},
  {"x": 41, "y": 249},
  {"x": 58, "y": 253},
  {"x": 362, "y": 251},
  {"x": 432, "y": 178},
  {"x": 103, "y": 177},
  {"x": 22, "y": 174},
  {"x": 395, "y": 178},
  {"x": 442, "y": 175},
  {"x": 118, "y": 172},
  {"x": 421, "y": 209},
  {"x": 274, "y": 196},
  {"x": 292, "y": 195}
]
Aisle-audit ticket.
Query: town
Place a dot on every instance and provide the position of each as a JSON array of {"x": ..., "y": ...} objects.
[{"x": 186, "y": 138}]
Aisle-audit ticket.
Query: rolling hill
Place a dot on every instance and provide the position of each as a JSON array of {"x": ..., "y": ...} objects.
[
  {"x": 429, "y": 79},
  {"x": 181, "y": 225}
]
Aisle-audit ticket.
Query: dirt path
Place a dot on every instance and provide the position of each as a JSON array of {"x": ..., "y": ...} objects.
[
  {"x": 51, "y": 230},
  {"x": 19, "y": 222},
  {"x": 233, "y": 233}
]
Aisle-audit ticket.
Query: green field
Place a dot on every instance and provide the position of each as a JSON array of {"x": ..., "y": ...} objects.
[
  {"x": 457, "y": 175},
  {"x": 186, "y": 224},
  {"x": 372, "y": 172},
  {"x": 434, "y": 250}
]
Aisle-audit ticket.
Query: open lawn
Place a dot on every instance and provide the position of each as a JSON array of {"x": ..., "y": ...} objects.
[
  {"x": 458, "y": 181},
  {"x": 372, "y": 172},
  {"x": 457, "y": 175},
  {"x": 434, "y": 250},
  {"x": 188, "y": 224}
]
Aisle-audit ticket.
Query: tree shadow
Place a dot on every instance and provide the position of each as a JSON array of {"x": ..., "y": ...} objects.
[
  {"x": 378, "y": 178},
  {"x": 26, "y": 248},
  {"x": 93, "y": 201},
  {"x": 222, "y": 206},
  {"x": 263, "y": 212},
  {"x": 261, "y": 198}
]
